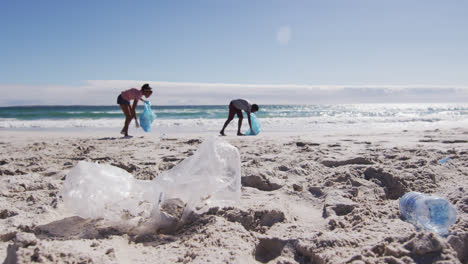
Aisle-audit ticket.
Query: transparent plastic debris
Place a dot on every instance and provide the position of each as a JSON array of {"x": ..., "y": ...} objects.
[
  {"x": 210, "y": 177},
  {"x": 256, "y": 127},
  {"x": 147, "y": 117},
  {"x": 431, "y": 212},
  {"x": 443, "y": 161},
  {"x": 101, "y": 190}
]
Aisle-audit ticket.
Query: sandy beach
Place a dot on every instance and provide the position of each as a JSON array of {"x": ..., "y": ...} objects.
[{"x": 306, "y": 198}]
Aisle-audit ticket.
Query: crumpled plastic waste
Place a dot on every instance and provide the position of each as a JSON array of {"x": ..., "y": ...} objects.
[
  {"x": 256, "y": 127},
  {"x": 210, "y": 177},
  {"x": 443, "y": 161},
  {"x": 147, "y": 117}
]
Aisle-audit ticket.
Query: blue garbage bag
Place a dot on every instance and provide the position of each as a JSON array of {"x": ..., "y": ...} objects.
[
  {"x": 255, "y": 126},
  {"x": 147, "y": 117}
]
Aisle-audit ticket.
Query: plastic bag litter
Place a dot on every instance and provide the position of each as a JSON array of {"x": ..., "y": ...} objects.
[
  {"x": 209, "y": 177},
  {"x": 147, "y": 117},
  {"x": 443, "y": 161},
  {"x": 101, "y": 190},
  {"x": 255, "y": 126}
]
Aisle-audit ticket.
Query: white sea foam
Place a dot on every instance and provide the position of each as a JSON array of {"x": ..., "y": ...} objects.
[{"x": 325, "y": 122}]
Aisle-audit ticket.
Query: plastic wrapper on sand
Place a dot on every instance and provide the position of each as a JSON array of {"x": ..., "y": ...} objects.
[{"x": 211, "y": 177}]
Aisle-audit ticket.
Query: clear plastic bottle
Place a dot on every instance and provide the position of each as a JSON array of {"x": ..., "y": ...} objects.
[{"x": 432, "y": 212}]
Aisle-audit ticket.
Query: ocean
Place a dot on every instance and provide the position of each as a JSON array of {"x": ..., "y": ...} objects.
[{"x": 335, "y": 117}]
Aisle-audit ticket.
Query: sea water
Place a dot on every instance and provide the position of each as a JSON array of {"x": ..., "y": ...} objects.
[{"x": 335, "y": 117}]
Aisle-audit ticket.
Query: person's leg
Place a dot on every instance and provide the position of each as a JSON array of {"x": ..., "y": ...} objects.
[
  {"x": 239, "y": 124},
  {"x": 230, "y": 117},
  {"x": 128, "y": 118}
]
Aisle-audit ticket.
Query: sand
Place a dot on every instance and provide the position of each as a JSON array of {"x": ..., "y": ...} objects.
[{"x": 306, "y": 198}]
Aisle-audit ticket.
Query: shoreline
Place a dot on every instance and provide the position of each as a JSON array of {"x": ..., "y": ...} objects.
[{"x": 157, "y": 132}]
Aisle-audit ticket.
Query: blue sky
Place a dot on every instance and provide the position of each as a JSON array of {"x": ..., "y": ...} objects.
[{"x": 56, "y": 50}]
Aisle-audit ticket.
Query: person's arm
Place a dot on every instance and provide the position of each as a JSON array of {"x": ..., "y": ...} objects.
[
  {"x": 135, "y": 103},
  {"x": 250, "y": 121}
]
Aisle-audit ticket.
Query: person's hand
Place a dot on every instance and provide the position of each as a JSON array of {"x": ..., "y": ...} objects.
[{"x": 137, "y": 125}]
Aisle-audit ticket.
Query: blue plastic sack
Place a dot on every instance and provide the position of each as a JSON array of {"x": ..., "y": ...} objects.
[
  {"x": 147, "y": 117},
  {"x": 255, "y": 126}
]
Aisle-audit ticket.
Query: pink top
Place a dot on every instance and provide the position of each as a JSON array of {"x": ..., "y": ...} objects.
[{"x": 132, "y": 94}]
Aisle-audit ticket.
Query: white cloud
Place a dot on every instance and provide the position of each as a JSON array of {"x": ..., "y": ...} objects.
[
  {"x": 105, "y": 92},
  {"x": 283, "y": 35}
]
